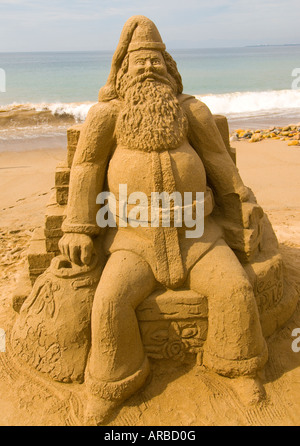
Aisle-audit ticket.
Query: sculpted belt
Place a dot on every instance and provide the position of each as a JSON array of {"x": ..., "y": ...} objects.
[{"x": 170, "y": 269}]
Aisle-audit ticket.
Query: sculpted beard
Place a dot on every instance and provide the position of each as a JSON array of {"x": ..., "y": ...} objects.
[{"x": 152, "y": 118}]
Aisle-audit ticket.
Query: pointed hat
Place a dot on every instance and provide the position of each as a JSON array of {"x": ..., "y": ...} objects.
[{"x": 138, "y": 33}]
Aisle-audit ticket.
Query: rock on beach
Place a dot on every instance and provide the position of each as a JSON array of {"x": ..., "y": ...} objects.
[{"x": 290, "y": 133}]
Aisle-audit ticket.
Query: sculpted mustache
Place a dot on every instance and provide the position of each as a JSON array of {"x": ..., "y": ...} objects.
[{"x": 145, "y": 76}]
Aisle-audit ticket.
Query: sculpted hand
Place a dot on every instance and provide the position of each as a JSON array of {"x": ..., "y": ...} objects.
[{"x": 77, "y": 247}]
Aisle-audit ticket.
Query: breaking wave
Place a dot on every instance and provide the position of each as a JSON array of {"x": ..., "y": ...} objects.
[
  {"x": 251, "y": 103},
  {"x": 19, "y": 121}
]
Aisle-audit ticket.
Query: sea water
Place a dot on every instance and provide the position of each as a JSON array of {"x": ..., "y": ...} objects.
[{"x": 252, "y": 86}]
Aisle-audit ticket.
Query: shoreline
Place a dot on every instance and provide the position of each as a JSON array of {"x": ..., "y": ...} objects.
[
  {"x": 262, "y": 123},
  {"x": 239, "y": 131},
  {"x": 37, "y": 143}
]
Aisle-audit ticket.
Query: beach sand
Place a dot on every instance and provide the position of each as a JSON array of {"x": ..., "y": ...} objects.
[
  {"x": 271, "y": 170},
  {"x": 25, "y": 184}
]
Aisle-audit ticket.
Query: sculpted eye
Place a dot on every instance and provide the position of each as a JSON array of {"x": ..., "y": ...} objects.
[
  {"x": 156, "y": 62},
  {"x": 140, "y": 62}
]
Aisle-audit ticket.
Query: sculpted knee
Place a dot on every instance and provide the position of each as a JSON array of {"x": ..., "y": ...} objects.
[
  {"x": 109, "y": 298},
  {"x": 240, "y": 284},
  {"x": 235, "y": 288}
]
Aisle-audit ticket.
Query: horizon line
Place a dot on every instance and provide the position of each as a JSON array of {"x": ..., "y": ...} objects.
[{"x": 171, "y": 49}]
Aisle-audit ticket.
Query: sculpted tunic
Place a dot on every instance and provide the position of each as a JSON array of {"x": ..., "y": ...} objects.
[{"x": 167, "y": 250}]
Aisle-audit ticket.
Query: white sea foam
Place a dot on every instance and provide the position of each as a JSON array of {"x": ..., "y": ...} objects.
[
  {"x": 32, "y": 121},
  {"x": 250, "y": 103},
  {"x": 78, "y": 110},
  {"x": 31, "y": 132}
]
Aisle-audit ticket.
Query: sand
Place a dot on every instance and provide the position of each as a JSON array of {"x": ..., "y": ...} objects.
[
  {"x": 25, "y": 184},
  {"x": 271, "y": 170}
]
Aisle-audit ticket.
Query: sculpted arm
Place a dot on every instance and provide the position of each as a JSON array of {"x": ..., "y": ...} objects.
[
  {"x": 206, "y": 139},
  {"x": 238, "y": 203},
  {"x": 86, "y": 182}
]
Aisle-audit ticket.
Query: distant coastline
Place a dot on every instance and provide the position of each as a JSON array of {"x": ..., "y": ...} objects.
[{"x": 274, "y": 45}]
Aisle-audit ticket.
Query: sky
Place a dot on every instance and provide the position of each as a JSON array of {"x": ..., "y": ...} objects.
[{"x": 89, "y": 25}]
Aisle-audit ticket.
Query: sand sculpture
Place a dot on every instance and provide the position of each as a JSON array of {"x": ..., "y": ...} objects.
[{"x": 106, "y": 300}]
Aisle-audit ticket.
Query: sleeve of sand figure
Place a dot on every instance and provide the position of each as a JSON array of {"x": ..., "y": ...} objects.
[
  {"x": 206, "y": 139},
  {"x": 243, "y": 227},
  {"x": 89, "y": 168}
]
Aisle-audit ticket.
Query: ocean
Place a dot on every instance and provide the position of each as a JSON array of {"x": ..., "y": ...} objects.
[{"x": 45, "y": 93}]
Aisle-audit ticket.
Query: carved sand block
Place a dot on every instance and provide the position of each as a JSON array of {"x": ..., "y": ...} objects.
[
  {"x": 276, "y": 298},
  {"x": 173, "y": 324}
]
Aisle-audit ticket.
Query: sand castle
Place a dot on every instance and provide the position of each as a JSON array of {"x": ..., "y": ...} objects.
[{"x": 149, "y": 293}]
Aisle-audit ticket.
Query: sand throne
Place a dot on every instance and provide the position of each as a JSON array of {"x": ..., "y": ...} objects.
[{"x": 173, "y": 324}]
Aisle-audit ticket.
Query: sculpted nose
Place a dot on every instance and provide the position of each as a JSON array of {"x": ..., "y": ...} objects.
[{"x": 148, "y": 65}]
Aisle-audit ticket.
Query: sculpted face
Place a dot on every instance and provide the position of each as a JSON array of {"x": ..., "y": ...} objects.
[
  {"x": 147, "y": 62},
  {"x": 151, "y": 117}
]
